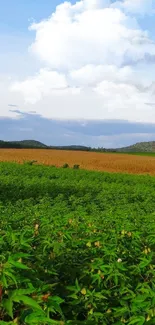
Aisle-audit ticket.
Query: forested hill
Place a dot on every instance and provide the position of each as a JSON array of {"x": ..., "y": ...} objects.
[
  {"x": 39, "y": 145},
  {"x": 22, "y": 144},
  {"x": 138, "y": 147}
]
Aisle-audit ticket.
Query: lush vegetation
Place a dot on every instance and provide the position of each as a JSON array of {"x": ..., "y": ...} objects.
[{"x": 76, "y": 247}]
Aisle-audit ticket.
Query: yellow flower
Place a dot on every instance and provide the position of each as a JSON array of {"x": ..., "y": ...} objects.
[
  {"x": 36, "y": 226},
  {"x": 83, "y": 291},
  {"x": 88, "y": 244},
  {"x": 97, "y": 244},
  {"x": 146, "y": 250}
]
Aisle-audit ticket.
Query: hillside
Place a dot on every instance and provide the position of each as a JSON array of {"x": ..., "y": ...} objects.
[
  {"x": 39, "y": 145},
  {"x": 139, "y": 147},
  {"x": 32, "y": 143},
  {"x": 72, "y": 147},
  {"x": 22, "y": 144}
]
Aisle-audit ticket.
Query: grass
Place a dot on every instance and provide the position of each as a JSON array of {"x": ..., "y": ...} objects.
[{"x": 77, "y": 247}]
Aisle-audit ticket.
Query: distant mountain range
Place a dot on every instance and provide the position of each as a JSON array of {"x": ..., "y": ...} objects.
[{"x": 26, "y": 144}]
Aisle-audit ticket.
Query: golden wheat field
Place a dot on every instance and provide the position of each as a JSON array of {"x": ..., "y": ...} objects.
[{"x": 87, "y": 160}]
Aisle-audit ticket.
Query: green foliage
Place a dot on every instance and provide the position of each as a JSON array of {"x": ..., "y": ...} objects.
[
  {"x": 22, "y": 144},
  {"x": 76, "y": 166},
  {"x": 65, "y": 165},
  {"x": 30, "y": 162},
  {"x": 76, "y": 248}
]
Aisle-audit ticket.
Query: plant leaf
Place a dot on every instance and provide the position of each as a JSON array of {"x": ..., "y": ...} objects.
[
  {"x": 8, "y": 305},
  {"x": 27, "y": 301}
]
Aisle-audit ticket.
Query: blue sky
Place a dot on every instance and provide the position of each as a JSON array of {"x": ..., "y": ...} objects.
[
  {"x": 93, "y": 61},
  {"x": 15, "y": 15}
]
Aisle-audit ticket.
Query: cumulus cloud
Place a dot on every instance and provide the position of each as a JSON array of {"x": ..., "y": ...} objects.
[
  {"x": 40, "y": 85},
  {"x": 90, "y": 53},
  {"x": 90, "y": 75},
  {"x": 140, "y": 7},
  {"x": 70, "y": 39}
]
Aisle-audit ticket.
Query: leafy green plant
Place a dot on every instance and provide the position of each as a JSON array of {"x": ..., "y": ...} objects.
[
  {"x": 65, "y": 165},
  {"x": 76, "y": 166},
  {"x": 30, "y": 162},
  {"x": 76, "y": 248}
]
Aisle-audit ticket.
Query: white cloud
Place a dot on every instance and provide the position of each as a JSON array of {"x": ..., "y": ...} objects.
[
  {"x": 90, "y": 75},
  {"x": 71, "y": 40},
  {"x": 95, "y": 4},
  {"x": 46, "y": 81},
  {"x": 122, "y": 97},
  {"x": 8, "y": 98},
  {"x": 92, "y": 55},
  {"x": 140, "y": 7}
]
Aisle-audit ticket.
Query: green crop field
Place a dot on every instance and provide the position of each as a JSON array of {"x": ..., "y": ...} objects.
[{"x": 76, "y": 247}]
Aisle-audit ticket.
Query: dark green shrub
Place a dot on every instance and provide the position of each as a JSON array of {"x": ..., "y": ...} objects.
[
  {"x": 65, "y": 165},
  {"x": 76, "y": 166}
]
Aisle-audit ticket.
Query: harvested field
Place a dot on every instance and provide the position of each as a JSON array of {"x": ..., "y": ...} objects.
[{"x": 87, "y": 160}]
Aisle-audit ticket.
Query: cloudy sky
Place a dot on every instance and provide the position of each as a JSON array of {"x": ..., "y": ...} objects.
[{"x": 77, "y": 72}]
